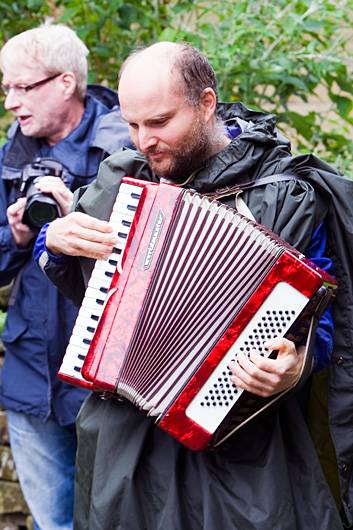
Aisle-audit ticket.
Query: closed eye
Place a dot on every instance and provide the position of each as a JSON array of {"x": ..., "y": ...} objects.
[{"x": 158, "y": 123}]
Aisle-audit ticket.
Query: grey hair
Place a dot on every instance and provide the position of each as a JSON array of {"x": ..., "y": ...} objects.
[{"x": 55, "y": 47}]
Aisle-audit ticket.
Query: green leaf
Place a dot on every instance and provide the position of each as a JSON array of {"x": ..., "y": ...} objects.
[{"x": 344, "y": 105}]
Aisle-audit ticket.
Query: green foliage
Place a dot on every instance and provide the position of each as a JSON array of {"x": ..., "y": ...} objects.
[
  {"x": 274, "y": 55},
  {"x": 2, "y": 320}
]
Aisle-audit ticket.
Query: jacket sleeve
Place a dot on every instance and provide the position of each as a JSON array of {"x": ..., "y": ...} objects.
[
  {"x": 323, "y": 346},
  {"x": 12, "y": 258},
  {"x": 64, "y": 271}
]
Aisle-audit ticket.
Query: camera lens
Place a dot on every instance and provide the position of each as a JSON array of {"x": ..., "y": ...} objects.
[
  {"x": 40, "y": 209},
  {"x": 39, "y": 212}
]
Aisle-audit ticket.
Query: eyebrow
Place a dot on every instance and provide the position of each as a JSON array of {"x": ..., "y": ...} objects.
[{"x": 158, "y": 117}]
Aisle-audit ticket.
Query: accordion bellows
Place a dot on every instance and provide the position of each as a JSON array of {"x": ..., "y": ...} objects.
[{"x": 190, "y": 284}]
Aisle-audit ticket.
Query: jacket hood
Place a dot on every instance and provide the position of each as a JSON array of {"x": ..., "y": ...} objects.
[
  {"x": 258, "y": 148},
  {"x": 105, "y": 95}
]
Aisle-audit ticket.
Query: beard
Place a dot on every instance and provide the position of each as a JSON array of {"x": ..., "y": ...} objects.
[{"x": 183, "y": 160}]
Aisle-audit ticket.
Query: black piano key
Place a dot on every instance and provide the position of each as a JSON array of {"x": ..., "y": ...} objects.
[
  {"x": 131, "y": 208},
  {"x": 109, "y": 274},
  {"x": 77, "y": 369},
  {"x": 95, "y": 317},
  {"x": 116, "y": 250},
  {"x": 122, "y": 235},
  {"x": 87, "y": 341},
  {"x": 126, "y": 223},
  {"x": 103, "y": 289},
  {"x": 90, "y": 329},
  {"x": 112, "y": 262},
  {"x": 135, "y": 195},
  {"x": 99, "y": 302},
  {"x": 81, "y": 357}
]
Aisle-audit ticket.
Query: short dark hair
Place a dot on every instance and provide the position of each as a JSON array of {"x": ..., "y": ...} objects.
[{"x": 195, "y": 71}]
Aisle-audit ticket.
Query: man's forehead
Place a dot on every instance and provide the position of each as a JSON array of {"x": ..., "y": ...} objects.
[{"x": 151, "y": 89}]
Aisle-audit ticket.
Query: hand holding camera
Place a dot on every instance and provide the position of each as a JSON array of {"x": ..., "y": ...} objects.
[
  {"x": 47, "y": 197},
  {"x": 42, "y": 197},
  {"x": 55, "y": 187},
  {"x": 21, "y": 233}
]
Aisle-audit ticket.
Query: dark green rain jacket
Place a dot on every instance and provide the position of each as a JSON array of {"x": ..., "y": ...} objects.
[{"x": 132, "y": 475}]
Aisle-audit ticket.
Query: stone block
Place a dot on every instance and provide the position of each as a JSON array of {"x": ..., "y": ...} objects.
[
  {"x": 7, "y": 465},
  {"x": 11, "y": 498}
]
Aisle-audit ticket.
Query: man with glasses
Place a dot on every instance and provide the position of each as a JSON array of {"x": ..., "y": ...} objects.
[{"x": 56, "y": 117}]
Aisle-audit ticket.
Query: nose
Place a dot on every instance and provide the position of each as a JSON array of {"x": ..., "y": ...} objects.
[
  {"x": 11, "y": 100},
  {"x": 146, "y": 140}
]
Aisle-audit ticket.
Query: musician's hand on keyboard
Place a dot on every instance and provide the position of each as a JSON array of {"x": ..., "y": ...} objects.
[
  {"x": 56, "y": 187},
  {"x": 78, "y": 234},
  {"x": 21, "y": 233},
  {"x": 265, "y": 376}
]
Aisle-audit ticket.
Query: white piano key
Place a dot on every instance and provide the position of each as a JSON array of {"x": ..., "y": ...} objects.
[
  {"x": 104, "y": 266},
  {"x": 72, "y": 372},
  {"x": 90, "y": 314},
  {"x": 96, "y": 294},
  {"x": 126, "y": 208},
  {"x": 73, "y": 352},
  {"x": 97, "y": 282},
  {"x": 69, "y": 364},
  {"x": 125, "y": 187},
  {"x": 92, "y": 304},
  {"x": 76, "y": 340},
  {"x": 81, "y": 330},
  {"x": 98, "y": 275},
  {"x": 118, "y": 219}
]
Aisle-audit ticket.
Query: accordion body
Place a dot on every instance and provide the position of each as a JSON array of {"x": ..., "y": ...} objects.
[{"x": 192, "y": 284}]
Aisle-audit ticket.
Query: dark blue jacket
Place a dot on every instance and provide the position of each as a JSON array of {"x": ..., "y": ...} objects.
[{"x": 40, "y": 320}]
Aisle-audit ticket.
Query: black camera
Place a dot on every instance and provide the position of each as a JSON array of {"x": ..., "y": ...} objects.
[{"x": 41, "y": 207}]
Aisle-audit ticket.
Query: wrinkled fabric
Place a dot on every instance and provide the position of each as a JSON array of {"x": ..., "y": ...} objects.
[{"x": 133, "y": 476}]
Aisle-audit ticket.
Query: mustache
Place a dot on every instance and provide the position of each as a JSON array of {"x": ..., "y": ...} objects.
[{"x": 154, "y": 150}]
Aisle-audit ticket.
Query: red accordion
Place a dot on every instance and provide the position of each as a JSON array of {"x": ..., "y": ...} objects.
[{"x": 190, "y": 284}]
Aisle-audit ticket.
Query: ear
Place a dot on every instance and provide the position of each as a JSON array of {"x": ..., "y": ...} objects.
[
  {"x": 208, "y": 103},
  {"x": 69, "y": 84}
]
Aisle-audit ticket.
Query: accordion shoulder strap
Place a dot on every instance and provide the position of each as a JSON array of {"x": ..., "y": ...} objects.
[{"x": 233, "y": 190}]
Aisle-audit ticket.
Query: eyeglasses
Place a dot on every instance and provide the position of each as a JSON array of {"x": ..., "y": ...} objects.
[{"x": 21, "y": 90}]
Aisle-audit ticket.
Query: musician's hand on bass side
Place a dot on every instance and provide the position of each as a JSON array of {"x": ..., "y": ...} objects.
[
  {"x": 78, "y": 234},
  {"x": 264, "y": 376}
]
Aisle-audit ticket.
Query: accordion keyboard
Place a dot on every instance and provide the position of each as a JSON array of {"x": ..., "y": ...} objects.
[{"x": 97, "y": 292}]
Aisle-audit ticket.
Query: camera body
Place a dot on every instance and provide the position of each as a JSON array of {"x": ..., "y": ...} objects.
[{"x": 41, "y": 208}]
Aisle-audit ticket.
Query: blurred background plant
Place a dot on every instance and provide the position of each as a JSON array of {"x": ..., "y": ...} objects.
[{"x": 292, "y": 58}]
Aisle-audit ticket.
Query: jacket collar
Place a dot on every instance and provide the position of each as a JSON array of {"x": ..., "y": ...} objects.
[{"x": 243, "y": 158}]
